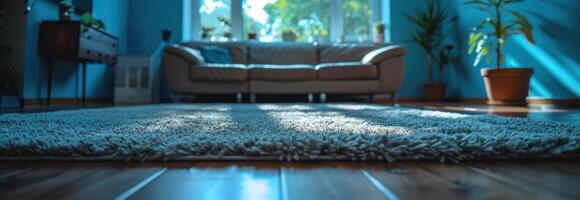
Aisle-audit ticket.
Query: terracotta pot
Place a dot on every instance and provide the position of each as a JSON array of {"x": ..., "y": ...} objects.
[
  {"x": 507, "y": 86},
  {"x": 252, "y": 36},
  {"x": 434, "y": 92}
]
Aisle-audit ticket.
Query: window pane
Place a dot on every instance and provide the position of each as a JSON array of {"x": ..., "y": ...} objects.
[
  {"x": 357, "y": 19},
  {"x": 287, "y": 20},
  {"x": 216, "y": 16}
]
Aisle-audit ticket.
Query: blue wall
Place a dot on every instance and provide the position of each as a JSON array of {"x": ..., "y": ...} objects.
[
  {"x": 416, "y": 59},
  {"x": 148, "y": 18},
  {"x": 555, "y": 57},
  {"x": 67, "y": 81}
]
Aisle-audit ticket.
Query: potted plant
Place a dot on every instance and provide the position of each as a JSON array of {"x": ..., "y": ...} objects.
[
  {"x": 206, "y": 32},
  {"x": 380, "y": 32},
  {"x": 289, "y": 35},
  {"x": 87, "y": 19},
  {"x": 227, "y": 25},
  {"x": 429, "y": 35},
  {"x": 503, "y": 86},
  {"x": 436, "y": 91},
  {"x": 252, "y": 34},
  {"x": 65, "y": 11}
]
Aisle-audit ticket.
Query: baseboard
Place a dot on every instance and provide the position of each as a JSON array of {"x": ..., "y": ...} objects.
[
  {"x": 69, "y": 101},
  {"x": 571, "y": 103},
  {"x": 575, "y": 103}
]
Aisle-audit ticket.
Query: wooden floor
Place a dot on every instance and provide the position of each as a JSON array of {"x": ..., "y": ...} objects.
[
  {"x": 529, "y": 179},
  {"x": 267, "y": 180}
]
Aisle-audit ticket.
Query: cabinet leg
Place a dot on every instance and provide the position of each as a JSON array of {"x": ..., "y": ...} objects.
[
  {"x": 393, "y": 98},
  {"x": 49, "y": 85},
  {"x": 84, "y": 98},
  {"x": 310, "y": 98}
]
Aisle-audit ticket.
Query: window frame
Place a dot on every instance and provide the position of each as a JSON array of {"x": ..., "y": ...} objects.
[{"x": 336, "y": 29}]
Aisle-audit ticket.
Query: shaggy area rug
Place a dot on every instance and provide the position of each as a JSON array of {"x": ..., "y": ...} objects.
[{"x": 287, "y": 132}]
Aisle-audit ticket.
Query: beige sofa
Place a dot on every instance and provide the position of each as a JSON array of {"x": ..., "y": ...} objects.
[{"x": 286, "y": 68}]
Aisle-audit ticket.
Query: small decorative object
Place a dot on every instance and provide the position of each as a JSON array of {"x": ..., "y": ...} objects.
[
  {"x": 29, "y": 6},
  {"x": 289, "y": 35},
  {"x": 88, "y": 20},
  {"x": 380, "y": 32},
  {"x": 503, "y": 86},
  {"x": 65, "y": 11},
  {"x": 435, "y": 92},
  {"x": 429, "y": 36},
  {"x": 252, "y": 36},
  {"x": 166, "y": 35},
  {"x": 206, "y": 32}
]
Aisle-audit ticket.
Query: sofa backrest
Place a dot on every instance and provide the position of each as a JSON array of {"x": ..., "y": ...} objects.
[
  {"x": 291, "y": 52},
  {"x": 281, "y": 53},
  {"x": 344, "y": 52},
  {"x": 238, "y": 50}
]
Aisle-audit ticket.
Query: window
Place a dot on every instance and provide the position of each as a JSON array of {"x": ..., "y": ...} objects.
[
  {"x": 215, "y": 18},
  {"x": 357, "y": 20},
  {"x": 287, "y": 20}
]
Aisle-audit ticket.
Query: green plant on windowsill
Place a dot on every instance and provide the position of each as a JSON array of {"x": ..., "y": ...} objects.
[
  {"x": 289, "y": 35},
  {"x": 206, "y": 31},
  {"x": 503, "y": 86}
]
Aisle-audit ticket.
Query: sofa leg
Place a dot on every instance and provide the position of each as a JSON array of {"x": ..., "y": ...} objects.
[
  {"x": 176, "y": 98},
  {"x": 238, "y": 97},
  {"x": 393, "y": 98},
  {"x": 252, "y": 98},
  {"x": 371, "y": 98},
  {"x": 322, "y": 97},
  {"x": 310, "y": 97}
]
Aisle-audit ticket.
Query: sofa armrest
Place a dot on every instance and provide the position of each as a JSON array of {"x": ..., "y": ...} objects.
[
  {"x": 189, "y": 55},
  {"x": 379, "y": 55},
  {"x": 391, "y": 65}
]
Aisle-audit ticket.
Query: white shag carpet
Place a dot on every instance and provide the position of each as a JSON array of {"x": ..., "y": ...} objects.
[{"x": 286, "y": 132}]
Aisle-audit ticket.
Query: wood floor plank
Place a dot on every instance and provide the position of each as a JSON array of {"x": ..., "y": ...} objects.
[
  {"x": 35, "y": 183},
  {"x": 476, "y": 185},
  {"x": 328, "y": 183},
  {"x": 544, "y": 180},
  {"x": 213, "y": 183},
  {"x": 408, "y": 181},
  {"x": 7, "y": 172},
  {"x": 118, "y": 181}
]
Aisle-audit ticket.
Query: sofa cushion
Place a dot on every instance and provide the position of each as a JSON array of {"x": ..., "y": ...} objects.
[
  {"x": 216, "y": 54},
  {"x": 238, "y": 50},
  {"x": 282, "y": 53},
  {"x": 218, "y": 72},
  {"x": 281, "y": 72},
  {"x": 332, "y": 53},
  {"x": 346, "y": 71}
]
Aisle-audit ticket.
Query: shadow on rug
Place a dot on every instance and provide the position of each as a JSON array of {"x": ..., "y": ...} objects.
[{"x": 286, "y": 132}]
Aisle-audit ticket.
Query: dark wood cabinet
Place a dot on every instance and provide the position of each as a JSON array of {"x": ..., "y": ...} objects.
[{"x": 74, "y": 42}]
